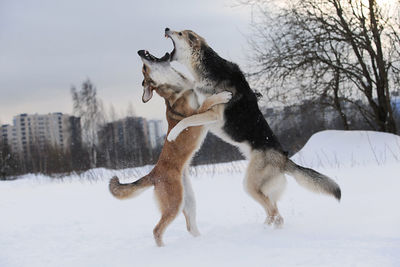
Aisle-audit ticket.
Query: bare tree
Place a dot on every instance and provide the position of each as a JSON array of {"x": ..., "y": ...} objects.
[
  {"x": 395, "y": 42},
  {"x": 340, "y": 51},
  {"x": 9, "y": 165},
  {"x": 89, "y": 108}
]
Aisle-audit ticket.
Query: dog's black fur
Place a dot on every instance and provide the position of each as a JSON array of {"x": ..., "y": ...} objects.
[{"x": 243, "y": 118}]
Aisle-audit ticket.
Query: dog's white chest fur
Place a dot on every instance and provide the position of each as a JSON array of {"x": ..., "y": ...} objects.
[{"x": 200, "y": 97}]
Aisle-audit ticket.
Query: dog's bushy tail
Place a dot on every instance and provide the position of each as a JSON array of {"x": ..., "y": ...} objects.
[
  {"x": 313, "y": 180},
  {"x": 124, "y": 191}
]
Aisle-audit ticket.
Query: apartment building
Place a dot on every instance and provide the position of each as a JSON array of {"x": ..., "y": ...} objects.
[
  {"x": 156, "y": 133},
  {"x": 35, "y": 131},
  {"x": 129, "y": 141}
]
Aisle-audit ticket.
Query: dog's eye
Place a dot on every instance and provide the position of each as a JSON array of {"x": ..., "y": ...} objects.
[
  {"x": 144, "y": 67},
  {"x": 180, "y": 34},
  {"x": 143, "y": 83}
]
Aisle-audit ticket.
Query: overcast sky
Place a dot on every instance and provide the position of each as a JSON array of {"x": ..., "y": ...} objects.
[{"x": 48, "y": 46}]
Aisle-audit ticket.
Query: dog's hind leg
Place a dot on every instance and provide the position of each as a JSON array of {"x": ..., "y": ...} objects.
[
  {"x": 255, "y": 192},
  {"x": 263, "y": 182},
  {"x": 189, "y": 204},
  {"x": 273, "y": 188},
  {"x": 170, "y": 198}
]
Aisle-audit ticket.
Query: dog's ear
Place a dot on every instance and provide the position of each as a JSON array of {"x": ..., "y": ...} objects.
[
  {"x": 193, "y": 40},
  {"x": 147, "y": 93},
  {"x": 258, "y": 94},
  {"x": 147, "y": 84}
]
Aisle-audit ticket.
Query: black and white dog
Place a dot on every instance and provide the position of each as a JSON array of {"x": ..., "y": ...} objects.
[{"x": 242, "y": 124}]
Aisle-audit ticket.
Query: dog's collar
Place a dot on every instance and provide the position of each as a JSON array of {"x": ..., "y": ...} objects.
[{"x": 170, "y": 109}]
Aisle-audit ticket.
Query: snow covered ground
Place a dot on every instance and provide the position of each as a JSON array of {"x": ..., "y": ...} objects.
[{"x": 76, "y": 222}]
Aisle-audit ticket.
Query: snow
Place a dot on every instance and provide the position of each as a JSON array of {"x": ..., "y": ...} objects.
[
  {"x": 76, "y": 222},
  {"x": 338, "y": 149}
]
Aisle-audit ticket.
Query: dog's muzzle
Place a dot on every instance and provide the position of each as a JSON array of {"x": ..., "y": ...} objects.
[{"x": 146, "y": 55}]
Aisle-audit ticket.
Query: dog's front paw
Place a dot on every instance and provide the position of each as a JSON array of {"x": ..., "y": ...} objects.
[{"x": 225, "y": 96}]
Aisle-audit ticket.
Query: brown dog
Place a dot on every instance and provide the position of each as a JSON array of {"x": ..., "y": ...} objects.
[{"x": 169, "y": 176}]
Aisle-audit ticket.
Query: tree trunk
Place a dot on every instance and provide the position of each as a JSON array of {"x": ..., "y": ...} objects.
[{"x": 336, "y": 101}]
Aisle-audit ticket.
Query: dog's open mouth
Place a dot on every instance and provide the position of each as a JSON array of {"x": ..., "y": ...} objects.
[
  {"x": 146, "y": 55},
  {"x": 173, "y": 42}
]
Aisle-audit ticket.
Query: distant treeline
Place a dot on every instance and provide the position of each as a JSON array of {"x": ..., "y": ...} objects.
[{"x": 293, "y": 126}]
